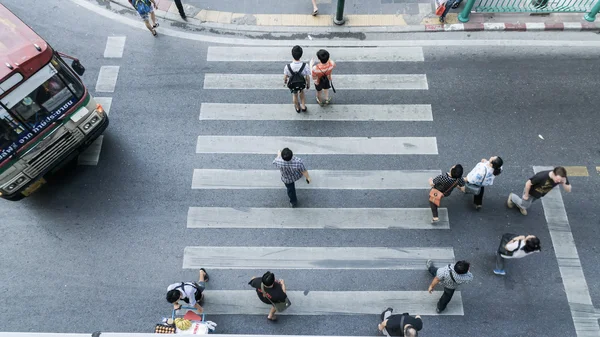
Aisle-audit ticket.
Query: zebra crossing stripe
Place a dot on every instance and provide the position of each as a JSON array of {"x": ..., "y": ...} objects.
[
  {"x": 334, "y": 112},
  {"x": 107, "y": 79},
  {"x": 312, "y": 303},
  {"x": 338, "y": 54},
  {"x": 115, "y": 45},
  {"x": 374, "y": 258},
  {"x": 321, "y": 179},
  {"x": 318, "y": 145},
  {"x": 344, "y": 82},
  {"x": 315, "y": 218}
]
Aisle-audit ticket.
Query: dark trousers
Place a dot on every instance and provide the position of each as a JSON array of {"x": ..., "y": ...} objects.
[
  {"x": 179, "y": 8},
  {"x": 291, "y": 192},
  {"x": 478, "y": 199},
  {"x": 434, "y": 210},
  {"x": 446, "y": 296}
]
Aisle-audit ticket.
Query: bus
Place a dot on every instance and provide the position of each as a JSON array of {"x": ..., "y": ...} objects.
[{"x": 47, "y": 115}]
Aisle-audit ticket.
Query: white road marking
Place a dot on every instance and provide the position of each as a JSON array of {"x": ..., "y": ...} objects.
[
  {"x": 583, "y": 312},
  {"x": 315, "y": 218},
  {"x": 107, "y": 79},
  {"x": 318, "y": 145},
  {"x": 321, "y": 179},
  {"x": 338, "y": 54},
  {"x": 334, "y": 112},
  {"x": 372, "y": 258},
  {"x": 347, "y": 82},
  {"x": 115, "y": 45}
]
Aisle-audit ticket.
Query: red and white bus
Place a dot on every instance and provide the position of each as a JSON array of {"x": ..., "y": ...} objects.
[{"x": 47, "y": 116}]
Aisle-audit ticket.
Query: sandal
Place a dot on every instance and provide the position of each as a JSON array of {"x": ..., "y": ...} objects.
[
  {"x": 327, "y": 101},
  {"x": 297, "y": 109},
  {"x": 156, "y": 25},
  {"x": 320, "y": 103},
  {"x": 153, "y": 32},
  {"x": 434, "y": 220},
  {"x": 304, "y": 110},
  {"x": 273, "y": 319},
  {"x": 315, "y": 12}
]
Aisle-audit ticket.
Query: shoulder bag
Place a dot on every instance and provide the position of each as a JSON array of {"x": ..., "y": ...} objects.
[
  {"x": 436, "y": 195},
  {"x": 281, "y": 306},
  {"x": 475, "y": 189}
]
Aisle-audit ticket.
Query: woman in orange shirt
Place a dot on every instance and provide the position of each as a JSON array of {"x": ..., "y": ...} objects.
[{"x": 321, "y": 74}]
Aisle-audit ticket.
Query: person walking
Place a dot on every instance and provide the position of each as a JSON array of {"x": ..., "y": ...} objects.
[
  {"x": 144, "y": 9},
  {"x": 400, "y": 325},
  {"x": 449, "y": 4},
  {"x": 442, "y": 186},
  {"x": 189, "y": 292},
  {"x": 321, "y": 74},
  {"x": 180, "y": 9},
  {"x": 271, "y": 291},
  {"x": 538, "y": 186},
  {"x": 514, "y": 246},
  {"x": 296, "y": 76},
  {"x": 292, "y": 168},
  {"x": 450, "y": 276},
  {"x": 481, "y": 175},
  {"x": 315, "y": 8}
]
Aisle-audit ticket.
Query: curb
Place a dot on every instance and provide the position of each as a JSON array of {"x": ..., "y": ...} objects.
[{"x": 166, "y": 10}]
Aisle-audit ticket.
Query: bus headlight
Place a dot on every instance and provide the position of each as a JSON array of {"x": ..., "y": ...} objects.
[{"x": 15, "y": 183}]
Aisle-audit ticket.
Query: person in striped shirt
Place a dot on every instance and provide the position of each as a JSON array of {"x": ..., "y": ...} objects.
[{"x": 321, "y": 74}]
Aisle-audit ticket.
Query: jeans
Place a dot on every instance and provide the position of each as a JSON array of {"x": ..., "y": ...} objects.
[
  {"x": 478, "y": 199},
  {"x": 449, "y": 4},
  {"x": 291, "y": 192},
  {"x": 522, "y": 204},
  {"x": 434, "y": 209},
  {"x": 499, "y": 261},
  {"x": 446, "y": 296}
]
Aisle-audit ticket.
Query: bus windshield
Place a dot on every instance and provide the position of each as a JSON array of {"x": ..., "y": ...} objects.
[{"x": 45, "y": 96}]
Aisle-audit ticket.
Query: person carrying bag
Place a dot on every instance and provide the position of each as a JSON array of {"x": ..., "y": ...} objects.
[
  {"x": 442, "y": 186},
  {"x": 272, "y": 292}
]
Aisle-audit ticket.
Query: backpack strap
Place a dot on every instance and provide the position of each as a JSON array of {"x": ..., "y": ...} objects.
[
  {"x": 451, "y": 276},
  {"x": 518, "y": 247},
  {"x": 302, "y": 68},
  {"x": 290, "y": 69}
]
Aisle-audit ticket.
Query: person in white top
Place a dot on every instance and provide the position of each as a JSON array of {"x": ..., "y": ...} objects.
[
  {"x": 481, "y": 175},
  {"x": 515, "y": 247},
  {"x": 188, "y": 292}
]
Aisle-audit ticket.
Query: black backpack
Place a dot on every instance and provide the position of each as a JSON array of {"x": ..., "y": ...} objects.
[{"x": 296, "y": 82}]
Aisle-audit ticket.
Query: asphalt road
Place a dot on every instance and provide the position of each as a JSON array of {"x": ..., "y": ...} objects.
[{"x": 95, "y": 249}]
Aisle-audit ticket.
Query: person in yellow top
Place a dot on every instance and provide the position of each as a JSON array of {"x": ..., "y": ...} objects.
[{"x": 321, "y": 74}]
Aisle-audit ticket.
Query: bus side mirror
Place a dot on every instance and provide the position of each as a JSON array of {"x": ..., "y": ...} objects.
[{"x": 79, "y": 69}]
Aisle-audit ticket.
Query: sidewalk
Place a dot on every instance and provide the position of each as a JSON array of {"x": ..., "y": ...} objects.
[{"x": 360, "y": 15}]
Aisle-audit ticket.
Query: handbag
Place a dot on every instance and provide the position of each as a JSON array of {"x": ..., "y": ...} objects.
[
  {"x": 435, "y": 195},
  {"x": 473, "y": 188},
  {"x": 279, "y": 307},
  {"x": 440, "y": 10}
]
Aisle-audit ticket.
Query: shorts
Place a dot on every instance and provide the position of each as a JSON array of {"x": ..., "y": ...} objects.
[
  {"x": 322, "y": 85},
  {"x": 146, "y": 16}
]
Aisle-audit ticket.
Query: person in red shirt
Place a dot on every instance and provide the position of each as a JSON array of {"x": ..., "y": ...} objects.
[{"x": 321, "y": 74}]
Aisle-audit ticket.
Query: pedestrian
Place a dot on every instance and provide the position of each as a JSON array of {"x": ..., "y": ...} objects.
[
  {"x": 514, "y": 246},
  {"x": 315, "y": 9},
  {"x": 296, "y": 76},
  {"x": 321, "y": 74},
  {"x": 180, "y": 9},
  {"x": 538, "y": 186},
  {"x": 292, "y": 168},
  {"x": 144, "y": 9},
  {"x": 271, "y": 291},
  {"x": 449, "y": 4},
  {"x": 189, "y": 292},
  {"x": 481, "y": 175},
  {"x": 400, "y": 325},
  {"x": 442, "y": 186},
  {"x": 450, "y": 276}
]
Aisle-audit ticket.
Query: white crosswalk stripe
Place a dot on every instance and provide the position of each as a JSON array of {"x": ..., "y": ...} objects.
[
  {"x": 334, "y": 112},
  {"x": 277, "y": 54},
  {"x": 321, "y": 179},
  {"x": 263, "y": 258},
  {"x": 315, "y": 218},
  {"x": 311, "y": 303},
  {"x": 107, "y": 79},
  {"x": 115, "y": 45},
  {"x": 347, "y": 82},
  {"x": 317, "y": 145}
]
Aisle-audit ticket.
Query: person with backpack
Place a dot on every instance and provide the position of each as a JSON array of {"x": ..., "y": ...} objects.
[
  {"x": 514, "y": 246},
  {"x": 321, "y": 74},
  {"x": 481, "y": 175},
  {"x": 296, "y": 76},
  {"x": 272, "y": 292},
  {"x": 188, "y": 292},
  {"x": 144, "y": 9}
]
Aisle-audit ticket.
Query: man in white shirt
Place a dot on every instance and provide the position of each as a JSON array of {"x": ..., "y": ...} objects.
[
  {"x": 188, "y": 292},
  {"x": 296, "y": 76},
  {"x": 515, "y": 247}
]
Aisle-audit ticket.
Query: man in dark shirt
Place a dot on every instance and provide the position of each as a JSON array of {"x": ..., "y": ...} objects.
[
  {"x": 400, "y": 325},
  {"x": 538, "y": 186},
  {"x": 269, "y": 291}
]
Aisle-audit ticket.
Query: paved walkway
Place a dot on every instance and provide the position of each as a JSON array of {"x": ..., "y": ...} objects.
[{"x": 385, "y": 15}]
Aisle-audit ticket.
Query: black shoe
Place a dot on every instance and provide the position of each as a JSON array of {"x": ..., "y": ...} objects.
[
  {"x": 438, "y": 310},
  {"x": 386, "y": 310},
  {"x": 293, "y": 205},
  {"x": 205, "y": 274},
  {"x": 184, "y": 17},
  {"x": 455, "y": 5},
  {"x": 442, "y": 20}
]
